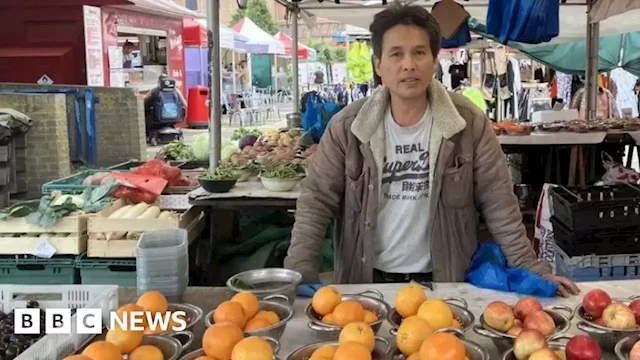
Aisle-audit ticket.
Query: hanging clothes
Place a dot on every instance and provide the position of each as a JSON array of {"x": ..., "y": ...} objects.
[
  {"x": 462, "y": 36},
  {"x": 446, "y": 76},
  {"x": 365, "y": 60},
  {"x": 353, "y": 63},
  {"x": 457, "y": 72},
  {"x": 476, "y": 97},
  {"x": 564, "y": 88},
  {"x": 515, "y": 86},
  {"x": 625, "y": 95},
  {"x": 524, "y": 21},
  {"x": 605, "y": 106}
]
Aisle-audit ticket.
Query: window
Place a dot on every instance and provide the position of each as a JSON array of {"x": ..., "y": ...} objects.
[{"x": 192, "y": 4}]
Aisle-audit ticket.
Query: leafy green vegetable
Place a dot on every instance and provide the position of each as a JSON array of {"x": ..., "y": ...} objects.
[
  {"x": 221, "y": 172},
  {"x": 281, "y": 170},
  {"x": 241, "y": 132},
  {"x": 201, "y": 146},
  {"x": 177, "y": 150},
  {"x": 18, "y": 210}
]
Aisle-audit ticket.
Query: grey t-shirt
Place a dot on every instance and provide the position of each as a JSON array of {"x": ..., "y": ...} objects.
[{"x": 402, "y": 244}]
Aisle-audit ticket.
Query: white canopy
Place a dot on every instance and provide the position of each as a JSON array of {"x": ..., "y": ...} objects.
[
  {"x": 257, "y": 36},
  {"x": 604, "y": 9},
  {"x": 226, "y": 35},
  {"x": 572, "y": 15}
]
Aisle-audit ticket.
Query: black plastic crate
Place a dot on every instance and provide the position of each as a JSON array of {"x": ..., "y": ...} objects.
[
  {"x": 599, "y": 242},
  {"x": 583, "y": 209}
]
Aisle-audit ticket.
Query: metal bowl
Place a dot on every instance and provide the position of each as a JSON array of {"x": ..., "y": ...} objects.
[
  {"x": 265, "y": 282},
  {"x": 284, "y": 311},
  {"x": 171, "y": 348},
  {"x": 473, "y": 351},
  {"x": 555, "y": 346},
  {"x": 458, "y": 307},
  {"x": 194, "y": 314},
  {"x": 371, "y": 300},
  {"x": 505, "y": 341},
  {"x": 606, "y": 337},
  {"x": 305, "y": 352},
  {"x": 623, "y": 347},
  {"x": 275, "y": 345}
]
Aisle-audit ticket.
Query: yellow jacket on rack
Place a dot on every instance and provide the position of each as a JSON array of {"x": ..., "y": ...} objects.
[
  {"x": 365, "y": 58},
  {"x": 353, "y": 63}
]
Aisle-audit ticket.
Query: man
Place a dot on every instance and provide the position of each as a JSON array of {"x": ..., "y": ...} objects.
[
  {"x": 243, "y": 75},
  {"x": 318, "y": 79},
  {"x": 404, "y": 173}
]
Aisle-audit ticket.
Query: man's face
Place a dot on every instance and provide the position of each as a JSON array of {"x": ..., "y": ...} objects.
[{"x": 406, "y": 64}]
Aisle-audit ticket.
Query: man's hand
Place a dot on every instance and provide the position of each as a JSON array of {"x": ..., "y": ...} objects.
[{"x": 566, "y": 287}]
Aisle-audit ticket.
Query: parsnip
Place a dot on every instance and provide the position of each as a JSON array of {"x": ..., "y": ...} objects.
[
  {"x": 117, "y": 214},
  {"x": 166, "y": 215},
  {"x": 151, "y": 213},
  {"x": 132, "y": 213}
]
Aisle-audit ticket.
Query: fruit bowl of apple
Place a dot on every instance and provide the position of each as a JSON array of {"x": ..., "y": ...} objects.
[
  {"x": 531, "y": 345},
  {"x": 502, "y": 323},
  {"x": 608, "y": 320},
  {"x": 628, "y": 348}
]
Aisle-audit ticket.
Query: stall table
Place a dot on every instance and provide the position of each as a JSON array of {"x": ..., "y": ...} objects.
[{"x": 297, "y": 334}]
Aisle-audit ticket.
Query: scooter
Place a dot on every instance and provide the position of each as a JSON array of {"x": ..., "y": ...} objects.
[{"x": 162, "y": 130}]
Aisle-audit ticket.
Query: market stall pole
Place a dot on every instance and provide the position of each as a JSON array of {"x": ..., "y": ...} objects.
[
  {"x": 294, "y": 58},
  {"x": 215, "y": 134}
]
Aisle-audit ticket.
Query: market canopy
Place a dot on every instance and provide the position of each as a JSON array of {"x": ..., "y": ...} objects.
[
  {"x": 260, "y": 41},
  {"x": 572, "y": 15},
  {"x": 166, "y": 8},
  {"x": 304, "y": 52},
  {"x": 195, "y": 33},
  {"x": 604, "y": 9}
]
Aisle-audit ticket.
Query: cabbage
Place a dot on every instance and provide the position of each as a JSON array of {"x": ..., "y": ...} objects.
[
  {"x": 201, "y": 147},
  {"x": 226, "y": 151}
]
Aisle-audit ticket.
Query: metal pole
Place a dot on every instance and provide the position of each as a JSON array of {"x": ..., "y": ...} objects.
[
  {"x": 591, "y": 76},
  {"x": 215, "y": 113},
  {"x": 294, "y": 59}
]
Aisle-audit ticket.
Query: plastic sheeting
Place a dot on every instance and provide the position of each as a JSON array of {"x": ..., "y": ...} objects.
[
  {"x": 528, "y": 21},
  {"x": 604, "y": 9}
]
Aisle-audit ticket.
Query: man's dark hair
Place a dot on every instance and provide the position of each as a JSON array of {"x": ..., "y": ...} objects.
[{"x": 399, "y": 14}]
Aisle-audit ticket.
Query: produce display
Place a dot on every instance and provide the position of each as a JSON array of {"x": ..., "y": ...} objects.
[
  {"x": 227, "y": 341},
  {"x": 510, "y": 127},
  {"x": 134, "y": 211},
  {"x": 242, "y": 132},
  {"x": 327, "y": 302},
  {"x": 601, "y": 310},
  {"x": 176, "y": 150},
  {"x": 527, "y": 314},
  {"x": 244, "y": 311}
]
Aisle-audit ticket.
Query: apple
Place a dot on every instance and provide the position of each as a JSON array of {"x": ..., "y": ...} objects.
[
  {"x": 517, "y": 322},
  {"x": 600, "y": 321},
  {"x": 595, "y": 301},
  {"x": 561, "y": 354},
  {"x": 540, "y": 321},
  {"x": 582, "y": 347},
  {"x": 525, "y": 306},
  {"x": 515, "y": 330},
  {"x": 619, "y": 317},
  {"x": 635, "y": 307},
  {"x": 527, "y": 342},
  {"x": 544, "y": 354},
  {"x": 634, "y": 354},
  {"x": 499, "y": 316}
]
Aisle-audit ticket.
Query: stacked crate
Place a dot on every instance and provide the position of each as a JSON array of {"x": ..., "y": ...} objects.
[{"x": 597, "y": 232}]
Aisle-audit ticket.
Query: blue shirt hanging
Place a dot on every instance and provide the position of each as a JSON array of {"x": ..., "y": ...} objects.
[{"x": 525, "y": 21}]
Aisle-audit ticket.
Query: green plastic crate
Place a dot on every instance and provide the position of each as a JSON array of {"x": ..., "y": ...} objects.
[
  {"x": 72, "y": 184},
  {"x": 60, "y": 270},
  {"x": 101, "y": 271}
]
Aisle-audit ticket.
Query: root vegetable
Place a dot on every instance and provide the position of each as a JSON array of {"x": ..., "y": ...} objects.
[{"x": 132, "y": 213}]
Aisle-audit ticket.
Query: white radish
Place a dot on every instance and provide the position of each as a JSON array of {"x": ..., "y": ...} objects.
[
  {"x": 132, "y": 213},
  {"x": 151, "y": 213}
]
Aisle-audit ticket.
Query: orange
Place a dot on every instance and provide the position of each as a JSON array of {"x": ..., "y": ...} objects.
[
  {"x": 153, "y": 301},
  {"x": 324, "y": 352},
  {"x": 411, "y": 334},
  {"x": 218, "y": 341},
  {"x": 347, "y": 312},
  {"x": 125, "y": 340},
  {"x": 81, "y": 357},
  {"x": 352, "y": 351},
  {"x": 230, "y": 311},
  {"x": 456, "y": 324},
  {"x": 442, "y": 346},
  {"x": 325, "y": 300},
  {"x": 270, "y": 316},
  {"x": 415, "y": 356},
  {"x": 409, "y": 299},
  {"x": 359, "y": 332},
  {"x": 252, "y": 348},
  {"x": 370, "y": 316},
  {"x": 329, "y": 319},
  {"x": 146, "y": 352},
  {"x": 102, "y": 350},
  {"x": 128, "y": 308},
  {"x": 436, "y": 313},
  {"x": 249, "y": 303},
  {"x": 257, "y": 324},
  {"x": 204, "y": 358}
]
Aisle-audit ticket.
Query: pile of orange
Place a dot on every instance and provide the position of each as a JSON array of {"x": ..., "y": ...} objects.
[
  {"x": 356, "y": 342},
  {"x": 327, "y": 302},
  {"x": 225, "y": 341},
  {"x": 119, "y": 342},
  {"x": 244, "y": 310},
  {"x": 412, "y": 301}
]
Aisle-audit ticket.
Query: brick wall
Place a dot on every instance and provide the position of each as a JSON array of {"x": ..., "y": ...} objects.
[
  {"x": 120, "y": 127},
  {"x": 46, "y": 144}
]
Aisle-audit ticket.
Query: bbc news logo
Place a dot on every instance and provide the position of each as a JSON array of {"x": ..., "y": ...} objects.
[{"x": 89, "y": 321}]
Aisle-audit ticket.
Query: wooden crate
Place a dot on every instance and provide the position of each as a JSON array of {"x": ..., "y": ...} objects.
[
  {"x": 73, "y": 243},
  {"x": 193, "y": 220}
]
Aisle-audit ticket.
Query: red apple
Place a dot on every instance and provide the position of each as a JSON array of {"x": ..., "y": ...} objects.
[
  {"x": 540, "y": 321},
  {"x": 544, "y": 354},
  {"x": 517, "y": 322},
  {"x": 499, "y": 316},
  {"x": 595, "y": 301},
  {"x": 600, "y": 321},
  {"x": 634, "y": 354},
  {"x": 527, "y": 343},
  {"x": 515, "y": 330},
  {"x": 635, "y": 307},
  {"x": 619, "y": 316},
  {"x": 582, "y": 347},
  {"x": 526, "y": 306}
]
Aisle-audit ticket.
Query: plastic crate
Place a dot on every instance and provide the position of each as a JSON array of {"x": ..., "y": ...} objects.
[
  {"x": 95, "y": 271},
  {"x": 597, "y": 267},
  {"x": 32, "y": 270},
  {"x": 57, "y": 346},
  {"x": 583, "y": 209},
  {"x": 72, "y": 184},
  {"x": 599, "y": 242}
]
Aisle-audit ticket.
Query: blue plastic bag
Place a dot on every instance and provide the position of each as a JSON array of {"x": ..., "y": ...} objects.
[
  {"x": 489, "y": 270},
  {"x": 317, "y": 114}
]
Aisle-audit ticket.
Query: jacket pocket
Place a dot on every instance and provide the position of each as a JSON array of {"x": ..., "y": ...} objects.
[
  {"x": 457, "y": 183},
  {"x": 354, "y": 194}
]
